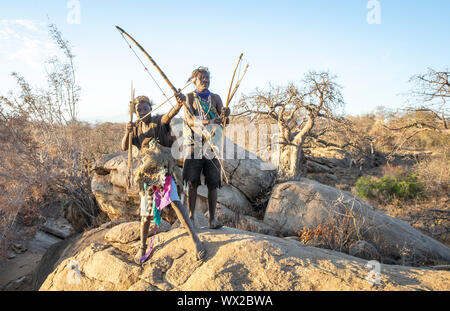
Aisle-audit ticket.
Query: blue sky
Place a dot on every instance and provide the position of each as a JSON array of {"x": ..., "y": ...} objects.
[{"x": 281, "y": 40}]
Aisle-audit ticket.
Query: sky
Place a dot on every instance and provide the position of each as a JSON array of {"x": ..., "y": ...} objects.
[{"x": 372, "y": 47}]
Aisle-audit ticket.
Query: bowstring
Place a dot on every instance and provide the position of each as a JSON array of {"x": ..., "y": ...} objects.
[{"x": 146, "y": 69}]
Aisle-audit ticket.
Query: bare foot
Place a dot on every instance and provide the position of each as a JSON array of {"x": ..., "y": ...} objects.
[
  {"x": 214, "y": 224},
  {"x": 200, "y": 251},
  {"x": 139, "y": 254}
]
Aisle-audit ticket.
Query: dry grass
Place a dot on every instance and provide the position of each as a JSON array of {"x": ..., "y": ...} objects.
[{"x": 46, "y": 153}]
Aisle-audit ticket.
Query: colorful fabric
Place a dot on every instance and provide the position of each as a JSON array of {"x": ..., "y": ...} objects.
[
  {"x": 147, "y": 254},
  {"x": 209, "y": 112},
  {"x": 194, "y": 106},
  {"x": 160, "y": 200},
  {"x": 168, "y": 194},
  {"x": 203, "y": 95}
]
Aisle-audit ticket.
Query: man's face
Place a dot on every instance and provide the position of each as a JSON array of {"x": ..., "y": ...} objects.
[
  {"x": 143, "y": 108},
  {"x": 201, "y": 81}
]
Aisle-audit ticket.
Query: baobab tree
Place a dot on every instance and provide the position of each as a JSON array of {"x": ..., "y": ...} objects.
[{"x": 295, "y": 109}]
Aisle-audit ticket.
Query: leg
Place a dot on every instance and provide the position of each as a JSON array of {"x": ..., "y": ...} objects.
[
  {"x": 213, "y": 181},
  {"x": 192, "y": 199},
  {"x": 212, "y": 202},
  {"x": 145, "y": 224},
  {"x": 191, "y": 175},
  {"x": 186, "y": 222}
]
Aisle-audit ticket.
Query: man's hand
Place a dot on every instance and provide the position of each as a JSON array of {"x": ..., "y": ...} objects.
[
  {"x": 181, "y": 98},
  {"x": 216, "y": 121},
  {"x": 130, "y": 127},
  {"x": 226, "y": 111}
]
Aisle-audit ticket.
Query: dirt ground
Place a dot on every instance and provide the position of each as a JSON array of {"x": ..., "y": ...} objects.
[
  {"x": 16, "y": 273},
  {"x": 16, "y": 270}
]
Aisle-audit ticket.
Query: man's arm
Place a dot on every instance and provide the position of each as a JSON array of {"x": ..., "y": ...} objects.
[
  {"x": 172, "y": 113},
  {"x": 221, "y": 110}
]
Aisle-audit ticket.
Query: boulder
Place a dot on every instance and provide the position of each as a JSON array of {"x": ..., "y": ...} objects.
[
  {"x": 59, "y": 227},
  {"x": 200, "y": 220},
  {"x": 235, "y": 260},
  {"x": 246, "y": 171},
  {"x": 130, "y": 231},
  {"x": 326, "y": 179},
  {"x": 230, "y": 197},
  {"x": 365, "y": 250},
  {"x": 234, "y": 219},
  {"x": 109, "y": 187},
  {"x": 296, "y": 205}
]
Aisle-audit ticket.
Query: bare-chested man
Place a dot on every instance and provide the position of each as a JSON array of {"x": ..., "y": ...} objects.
[{"x": 205, "y": 108}]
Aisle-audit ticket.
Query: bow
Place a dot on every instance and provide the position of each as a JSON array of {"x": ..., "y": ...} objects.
[{"x": 123, "y": 32}]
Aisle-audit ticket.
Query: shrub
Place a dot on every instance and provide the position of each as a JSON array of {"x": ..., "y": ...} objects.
[
  {"x": 365, "y": 187},
  {"x": 403, "y": 187}
]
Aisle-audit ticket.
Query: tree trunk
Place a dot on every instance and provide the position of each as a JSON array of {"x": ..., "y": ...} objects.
[
  {"x": 444, "y": 122},
  {"x": 292, "y": 159},
  {"x": 292, "y": 162}
]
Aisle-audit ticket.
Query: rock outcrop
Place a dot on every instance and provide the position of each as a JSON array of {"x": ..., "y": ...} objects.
[
  {"x": 236, "y": 260},
  {"x": 308, "y": 204},
  {"x": 109, "y": 187}
]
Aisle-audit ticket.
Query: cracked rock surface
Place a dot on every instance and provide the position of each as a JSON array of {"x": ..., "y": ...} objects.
[{"x": 236, "y": 260}]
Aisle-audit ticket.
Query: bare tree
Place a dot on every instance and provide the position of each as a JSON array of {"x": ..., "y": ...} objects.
[
  {"x": 432, "y": 89},
  {"x": 295, "y": 110},
  {"x": 64, "y": 88}
]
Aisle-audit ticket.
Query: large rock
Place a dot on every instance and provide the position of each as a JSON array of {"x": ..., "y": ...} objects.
[
  {"x": 230, "y": 197},
  {"x": 247, "y": 172},
  {"x": 235, "y": 260},
  {"x": 296, "y": 205},
  {"x": 109, "y": 187},
  {"x": 330, "y": 156},
  {"x": 365, "y": 250},
  {"x": 240, "y": 221},
  {"x": 130, "y": 231}
]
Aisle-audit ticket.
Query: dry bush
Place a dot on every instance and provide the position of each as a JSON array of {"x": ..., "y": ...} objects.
[
  {"x": 435, "y": 174},
  {"x": 362, "y": 138},
  {"x": 339, "y": 232},
  {"x": 22, "y": 180},
  {"x": 46, "y": 153},
  {"x": 416, "y": 131}
]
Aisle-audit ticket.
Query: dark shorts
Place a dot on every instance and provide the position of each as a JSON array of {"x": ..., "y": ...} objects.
[{"x": 211, "y": 170}]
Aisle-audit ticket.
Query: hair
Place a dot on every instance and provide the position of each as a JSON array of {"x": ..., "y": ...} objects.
[
  {"x": 198, "y": 71},
  {"x": 140, "y": 99}
]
